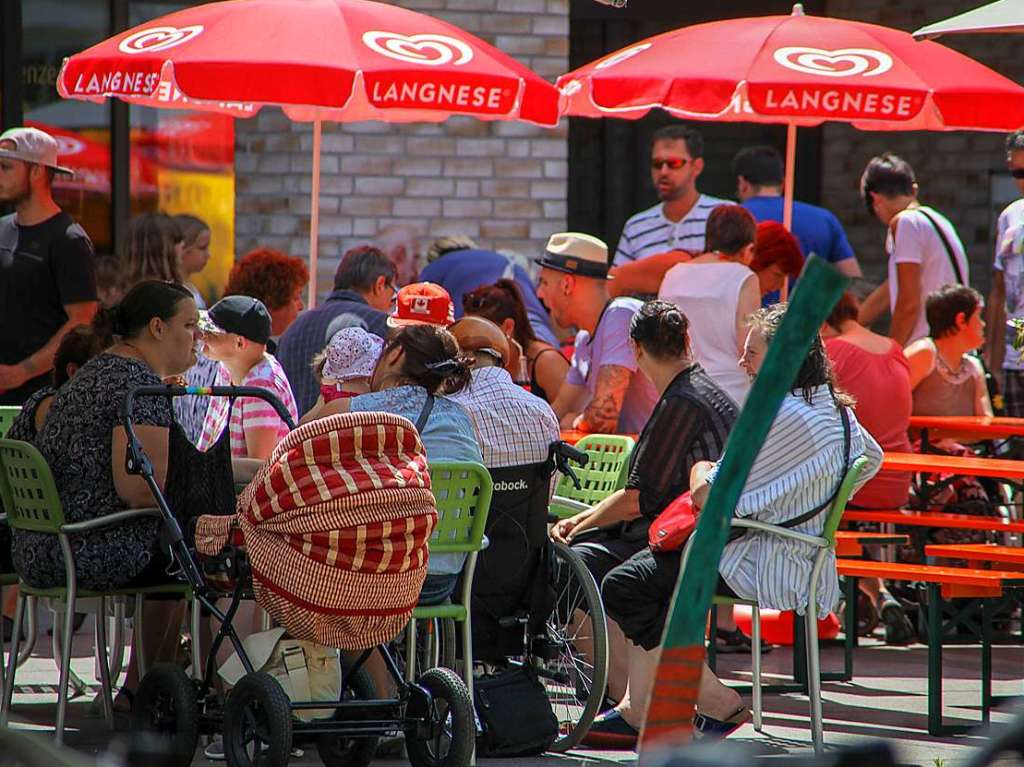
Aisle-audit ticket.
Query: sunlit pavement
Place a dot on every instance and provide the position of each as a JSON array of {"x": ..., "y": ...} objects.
[{"x": 887, "y": 700}]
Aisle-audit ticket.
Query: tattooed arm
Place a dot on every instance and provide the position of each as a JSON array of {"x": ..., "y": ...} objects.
[{"x": 602, "y": 414}]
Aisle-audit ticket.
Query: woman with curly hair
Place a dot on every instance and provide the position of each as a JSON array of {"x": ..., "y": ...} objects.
[{"x": 276, "y": 279}]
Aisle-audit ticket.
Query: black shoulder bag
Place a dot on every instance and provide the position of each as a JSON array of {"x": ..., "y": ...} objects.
[
  {"x": 739, "y": 532},
  {"x": 424, "y": 416}
]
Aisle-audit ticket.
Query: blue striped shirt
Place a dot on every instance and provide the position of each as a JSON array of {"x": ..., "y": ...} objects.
[{"x": 798, "y": 468}]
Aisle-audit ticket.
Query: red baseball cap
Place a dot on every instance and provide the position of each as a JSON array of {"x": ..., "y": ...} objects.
[{"x": 423, "y": 303}]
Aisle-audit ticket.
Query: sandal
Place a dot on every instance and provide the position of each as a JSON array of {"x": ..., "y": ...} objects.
[{"x": 715, "y": 729}]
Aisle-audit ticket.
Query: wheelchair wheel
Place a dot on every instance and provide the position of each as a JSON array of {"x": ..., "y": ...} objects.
[
  {"x": 166, "y": 705},
  {"x": 257, "y": 723},
  {"x": 342, "y": 750},
  {"x": 447, "y": 739},
  {"x": 435, "y": 645},
  {"x": 576, "y": 676}
]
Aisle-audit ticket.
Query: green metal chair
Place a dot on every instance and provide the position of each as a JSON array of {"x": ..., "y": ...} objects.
[
  {"x": 7, "y": 415},
  {"x": 33, "y": 504},
  {"x": 605, "y": 472},
  {"x": 823, "y": 544},
  {"x": 462, "y": 490}
]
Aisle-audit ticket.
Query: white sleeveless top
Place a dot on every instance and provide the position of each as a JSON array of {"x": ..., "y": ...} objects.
[{"x": 708, "y": 294}]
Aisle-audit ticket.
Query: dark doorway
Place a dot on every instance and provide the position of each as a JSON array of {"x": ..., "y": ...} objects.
[{"x": 609, "y": 178}]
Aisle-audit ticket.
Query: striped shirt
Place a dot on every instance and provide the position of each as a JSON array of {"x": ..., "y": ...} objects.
[
  {"x": 649, "y": 232},
  {"x": 513, "y": 427},
  {"x": 798, "y": 468},
  {"x": 250, "y": 412}
]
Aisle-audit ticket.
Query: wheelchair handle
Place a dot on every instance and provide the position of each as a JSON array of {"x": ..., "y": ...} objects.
[{"x": 561, "y": 453}]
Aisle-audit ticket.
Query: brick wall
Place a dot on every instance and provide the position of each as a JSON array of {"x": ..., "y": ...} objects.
[
  {"x": 503, "y": 183},
  {"x": 953, "y": 169}
]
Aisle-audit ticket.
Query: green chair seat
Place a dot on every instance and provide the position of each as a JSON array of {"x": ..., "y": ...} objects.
[
  {"x": 605, "y": 472},
  {"x": 457, "y": 613}
]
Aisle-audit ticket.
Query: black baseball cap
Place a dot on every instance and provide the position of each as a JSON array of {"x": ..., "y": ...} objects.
[{"x": 243, "y": 315}]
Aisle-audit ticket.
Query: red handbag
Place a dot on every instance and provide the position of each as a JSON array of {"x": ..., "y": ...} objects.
[{"x": 671, "y": 528}]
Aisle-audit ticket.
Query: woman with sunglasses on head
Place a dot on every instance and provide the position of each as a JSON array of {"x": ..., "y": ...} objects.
[{"x": 535, "y": 361}]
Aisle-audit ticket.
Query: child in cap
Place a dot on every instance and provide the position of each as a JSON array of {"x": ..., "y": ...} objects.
[
  {"x": 345, "y": 366},
  {"x": 235, "y": 333}
]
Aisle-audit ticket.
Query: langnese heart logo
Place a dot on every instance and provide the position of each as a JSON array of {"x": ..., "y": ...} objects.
[
  {"x": 846, "y": 62},
  {"x": 428, "y": 49},
  {"x": 158, "y": 38}
]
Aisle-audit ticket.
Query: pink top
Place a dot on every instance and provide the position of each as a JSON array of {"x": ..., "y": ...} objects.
[{"x": 881, "y": 385}]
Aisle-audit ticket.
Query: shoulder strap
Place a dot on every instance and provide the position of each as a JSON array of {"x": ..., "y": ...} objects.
[
  {"x": 424, "y": 416},
  {"x": 946, "y": 245},
  {"x": 807, "y": 515}
]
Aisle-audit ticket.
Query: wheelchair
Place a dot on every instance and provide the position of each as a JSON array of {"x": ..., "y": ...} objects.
[
  {"x": 528, "y": 594},
  {"x": 256, "y": 717}
]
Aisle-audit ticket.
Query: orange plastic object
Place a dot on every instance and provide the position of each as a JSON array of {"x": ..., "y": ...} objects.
[
  {"x": 978, "y": 552},
  {"x": 777, "y": 625}
]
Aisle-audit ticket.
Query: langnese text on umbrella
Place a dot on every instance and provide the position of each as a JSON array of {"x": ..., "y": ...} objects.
[
  {"x": 129, "y": 83},
  {"x": 434, "y": 95},
  {"x": 838, "y": 102}
]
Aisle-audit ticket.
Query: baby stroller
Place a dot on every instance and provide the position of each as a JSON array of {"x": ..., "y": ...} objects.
[{"x": 256, "y": 717}]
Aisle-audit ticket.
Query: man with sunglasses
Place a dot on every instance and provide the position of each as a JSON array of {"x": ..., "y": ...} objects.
[
  {"x": 924, "y": 250},
  {"x": 678, "y": 221},
  {"x": 47, "y": 271},
  {"x": 1006, "y": 300}
]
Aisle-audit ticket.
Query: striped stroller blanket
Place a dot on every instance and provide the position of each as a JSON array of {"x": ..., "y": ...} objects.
[{"x": 336, "y": 525}]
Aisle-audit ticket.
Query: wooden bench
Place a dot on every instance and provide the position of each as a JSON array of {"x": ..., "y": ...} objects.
[
  {"x": 936, "y": 519},
  {"x": 943, "y": 583},
  {"x": 851, "y": 543},
  {"x": 978, "y": 554}
]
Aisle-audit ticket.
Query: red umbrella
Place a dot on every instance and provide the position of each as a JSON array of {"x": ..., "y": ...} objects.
[
  {"x": 797, "y": 70},
  {"x": 340, "y": 60}
]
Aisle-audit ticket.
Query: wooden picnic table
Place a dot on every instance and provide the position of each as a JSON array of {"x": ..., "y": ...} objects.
[
  {"x": 977, "y": 554},
  {"x": 967, "y": 428},
  {"x": 1000, "y": 468},
  {"x": 935, "y": 519},
  {"x": 851, "y": 543},
  {"x": 572, "y": 436}
]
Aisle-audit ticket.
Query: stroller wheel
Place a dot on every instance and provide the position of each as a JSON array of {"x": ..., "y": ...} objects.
[
  {"x": 166, "y": 705},
  {"x": 342, "y": 750},
  {"x": 447, "y": 739},
  {"x": 257, "y": 723}
]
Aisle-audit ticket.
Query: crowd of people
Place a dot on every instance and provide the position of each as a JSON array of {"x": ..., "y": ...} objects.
[{"x": 490, "y": 355}]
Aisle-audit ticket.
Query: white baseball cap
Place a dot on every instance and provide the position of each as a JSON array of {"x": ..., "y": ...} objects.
[{"x": 31, "y": 145}]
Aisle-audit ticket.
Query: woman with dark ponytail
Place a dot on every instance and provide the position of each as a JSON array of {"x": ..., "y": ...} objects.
[
  {"x": 690, "y": 423},
  {"x": 418, "y": 363}
]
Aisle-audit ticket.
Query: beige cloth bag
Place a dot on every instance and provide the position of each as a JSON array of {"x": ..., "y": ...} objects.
[{"x": 305, "y": 670}]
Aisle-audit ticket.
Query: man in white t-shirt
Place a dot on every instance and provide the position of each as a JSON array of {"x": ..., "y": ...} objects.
[
  {"x": 678, "y": 221},
  {"x": 923, "y": 247},
  {"x": 1006, "y": 300}
]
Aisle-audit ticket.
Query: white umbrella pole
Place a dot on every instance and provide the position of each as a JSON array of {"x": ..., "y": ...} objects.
[
  {"x": 314, "y": 217},
  {"x": 787, "y": 206}
]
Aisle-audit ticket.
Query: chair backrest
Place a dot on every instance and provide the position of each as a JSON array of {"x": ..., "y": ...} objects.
[
  {"x": 7, "y": 415},
  {"x": 29, "y": 493},
  {"x": 835, "y": 514},
  {"x": 605, "y": 472},
  {"x": 462, "y": 491}
]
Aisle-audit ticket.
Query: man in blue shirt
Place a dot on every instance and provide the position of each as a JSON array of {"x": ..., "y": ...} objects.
[
  {"x": 463, "y": 269},
  {"x": 759, "y": 179}
]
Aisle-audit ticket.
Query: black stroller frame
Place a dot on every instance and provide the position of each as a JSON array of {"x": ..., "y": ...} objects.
[{"x": 433, "y": 710}]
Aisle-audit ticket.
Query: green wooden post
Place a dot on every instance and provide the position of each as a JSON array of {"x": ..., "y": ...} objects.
[{"x": 674, "y": 696}]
